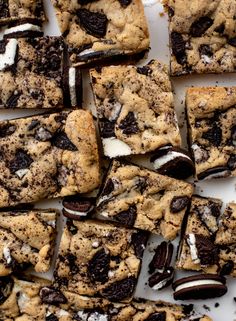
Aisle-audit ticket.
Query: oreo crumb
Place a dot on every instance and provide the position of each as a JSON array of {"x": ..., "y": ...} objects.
[
  {"x": 217, "y": 305},
  {"x": 206, "y": 307}
]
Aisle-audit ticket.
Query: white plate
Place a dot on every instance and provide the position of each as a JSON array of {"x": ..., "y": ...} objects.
[{"x": 224, "y": 189}]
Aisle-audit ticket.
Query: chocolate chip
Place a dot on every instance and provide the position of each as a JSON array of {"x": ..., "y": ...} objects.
[
  {"x": 120, "y": 290},
  {"x": 6, "y": 285},
  {"x": 178, "y": 47},
  {"x": 161, "y": 280},
  {"x": 205, "y": 50},
  {"x": 33, "y": 124},
  {"x": 94, "y": 23},
  {"x": 71, "y": 261},
  {"x": 232, "y": 41},
  {"x": 128, "y": 217},
  {"x": 213, "y": 135},
  {"x": 157, "y": 316},
  {"x": 178, "y": 203},
  {"x": 98, "y": 266},
  {"x": 61, "y": 140},
  {"x": 84, "y": 2},
  {"x": 162, "y": 257},
  {"x": 200, "y": 26},
  {"x": 220, "y": 29},
  {"x": 232, "y": 162},
  {"x": 51, "y": 317},
  {"x": 129, "y": 124},
  {"x": 4, "y": 9},
  {"x": 107, "y": 128},
  {"x": 7, "y": 130},
  {"x": 125, "y": 3},
  {"x": 13, "y": 99},
  {"x": 227, "y": 268},
  {"x": 139, "y": 241},
  {"x": 21, "y": 161},
  {"x": 206, "y": 250},
  {"x": 51, "y": 295}
]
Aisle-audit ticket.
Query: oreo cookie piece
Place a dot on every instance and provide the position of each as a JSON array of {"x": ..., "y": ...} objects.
[
  {"x": 162, "y": 257},
  {"x": 161, "y": 280},
  {"x": 199, "y": 287},
  {"x": 76, "y": 207},
  {"x": 72, "y": 86},
  {"x": 215, "y": 172},
  {"x": 173, "y": 161},
  {"x": 29, "y": 28}
]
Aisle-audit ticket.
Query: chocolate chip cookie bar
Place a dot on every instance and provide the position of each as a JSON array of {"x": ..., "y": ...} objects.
[
  {"x": 34, "y": 74},
  {"x": 99, "y": 30},
  {"x": 99, "y": 259},
  {"x": 205, "y": 244},
  {"x": 18, "y": 249},
  {"x": 135, "y": 196},
  {"x": 202, "y": 36},
  {"x": 47, "y": 156},
  {"x": 211, "y": 115},
  {"x": 135, "y": 108}
]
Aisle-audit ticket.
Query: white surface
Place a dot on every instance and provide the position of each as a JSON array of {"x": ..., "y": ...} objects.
[{"x": 224, "y": 188}]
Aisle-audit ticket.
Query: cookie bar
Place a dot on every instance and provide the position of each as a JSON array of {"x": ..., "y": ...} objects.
[
  {"x": 135, "y": 108},
  {"x": 99, "y": 259},
  {"x": 98, "y": 30},
  {"x": 47, "y": 156},
  {"x": 135, "y": 196},
  {"x": 202, "y": 36},
  {"x": 18, "y": 249},
  {"x": 26, "y": 11},
  {"x": 212, "y": 130},
  {"x": 34, "y": 74},
  {"x": 205, "y": 246}
]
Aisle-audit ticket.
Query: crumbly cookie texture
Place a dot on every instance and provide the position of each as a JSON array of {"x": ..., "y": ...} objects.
[
  {"x": 135, "y": 196},
  {"x": 26, "y": 10},
  {"x": 18, "y": 249},
  {"x": 211, "y": 115},
  {"x": 96, "y": 30},
  {"x": 135, "y": 108},
  {"x": 99, "y": 259},
  {"x": 47, "y": 156},
  {"x": 202, "y": 36},
  {"x": 33, "y": 74},
  {"x": 207, "y": 244}
]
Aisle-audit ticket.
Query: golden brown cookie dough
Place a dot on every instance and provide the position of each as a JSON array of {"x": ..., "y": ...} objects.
[
  {"x": 135, "y": 108},
  {"x": 47, "y": 156},
  {"x": 96, "y": 30},
  {"x": 202, "y": 36},
  {"x": 211, "y": 115},
  {"x": 135, "y": 196}
]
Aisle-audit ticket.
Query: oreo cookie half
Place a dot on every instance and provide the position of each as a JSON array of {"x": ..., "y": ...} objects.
[
  {"x": 24, "y": 29},
  {"x": 202, "y": 286},
  {"x": 77, "y": 207},
  {"x": 161, "y": 280},
  {"x": 173, "y": 161},
  {"x": 215, "y": 172}
]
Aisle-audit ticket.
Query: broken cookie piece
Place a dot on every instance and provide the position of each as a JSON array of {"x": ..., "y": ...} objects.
[
  {"x": 141, "y": 198},
  {"x": 211, "y": 115},
  {"x": 135, "y": 108}
]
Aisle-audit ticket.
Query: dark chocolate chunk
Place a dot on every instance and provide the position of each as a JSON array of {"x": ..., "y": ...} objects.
[
  {"x": 128, "y": 217},
  {"x": 220, "y": 29},
  {"x": 33, "y": 124},
  {"x": 109, "y": 187},
  {"x": 51, "y": 317},
  {"x": 125, "y": 3},
  {"x": 13, "y": 99},
  {"x": 233, "y": 135},
  {"x": 178, "y": 47},
  {"x": 157, "y": 316},
  {"x": 232, "y": 162},
  {"x": 232, "y": 41},
  {"x": 161, "y": 280},
  {"x": 213, "y": 135},
  {"x": 71, "y": 261},
  {"x": 215, "y": 172},
  {"x": 107, "y": 128},
  {"x": 145, "y": 70},
  {"x": 7, "y": 130},
  {"x": 129, "y": 124},
  {"x": 94, "y": 23},
  {"x": 4, "y": 9},
  {"x": 99, "y": 266},
  {"x": 51, "y": 295},
  {"x": 120, "y": 290},
  {"x": 76, "y": 207},
  {"x": 21, "y": 161},
  {"x": 178, "y": 203},
  {"x": 139, "y": 241},
  {"x": 162, "y": 257},
  {"x": 61, "y": 140},
  {"x": 6, "y": 285},
  {"x": 199, "y": 27},
  {"x": 207, "y": 251},
  {"x": 205, "y": 50},
  {"x": 227, "y": 268}
]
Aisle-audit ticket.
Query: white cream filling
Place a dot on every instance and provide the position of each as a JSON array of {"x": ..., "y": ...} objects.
[
  {"x": 23, "y": 299},
  {"x": 7, "y": 254},
  {"x": 62, "y": 313},
  {"x": 114, "y": 147},
  {"x": 77, "y": 212},
  {"x": 191, "y": 240},
  {"x": 97, "y": 317},
  {"x": 160, "y": 284},
  {"x": 159, "y": 162},
  {"x": 197, "y": 283},
  {"x": 72, "y": 86},
  {"x": 86, "y": 52},
  {"x": 8, "y": 57},
  {"x": 21, "y": 28},
  {"x": 22, "y": 172}
]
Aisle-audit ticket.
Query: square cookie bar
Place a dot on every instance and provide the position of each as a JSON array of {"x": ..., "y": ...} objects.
[
  {"x": 202, "y": 36},
  {"x": 135, "y": 108},
  {"x": 97, "y": 30},
  {"x": 47, "y": 156},
  {"x": 135, "y": 196},
  {"x": 211, "y": 116},
  {"x": 99, "y": 259},
  {"x": 34, "y": 74},
  {"x": 21, "y": 11},
  {"x": 18, "y": 249},
  {"x": 208, "y": 241}
]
